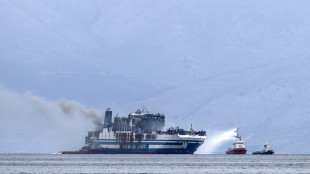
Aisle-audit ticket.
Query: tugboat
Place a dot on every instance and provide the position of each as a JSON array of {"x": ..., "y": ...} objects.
[
  {"x": 266, "y": 151},
  {"x": 238, "y": 146}
]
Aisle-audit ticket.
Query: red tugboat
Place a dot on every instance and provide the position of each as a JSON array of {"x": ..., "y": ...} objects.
[{"x": 238, "y": 146}]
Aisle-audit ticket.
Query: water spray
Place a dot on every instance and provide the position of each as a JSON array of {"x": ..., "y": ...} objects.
[{"x": 215, "y": 140}]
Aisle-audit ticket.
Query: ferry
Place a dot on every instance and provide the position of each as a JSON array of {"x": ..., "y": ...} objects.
[{"x": 139, "y": 133}]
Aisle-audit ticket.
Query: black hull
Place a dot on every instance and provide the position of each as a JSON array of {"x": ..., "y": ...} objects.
[{"x": 263, "y": 153}]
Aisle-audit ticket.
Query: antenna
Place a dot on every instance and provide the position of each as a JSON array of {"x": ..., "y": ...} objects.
[{"x": 192, "y": 132}]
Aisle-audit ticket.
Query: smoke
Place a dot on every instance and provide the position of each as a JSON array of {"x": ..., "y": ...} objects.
[
  {"x": 33, "y": 124},
  {"x": 215, "y": 140},
  {"x": 71, "y": 108},
  {"x": 68, "y": 108}
]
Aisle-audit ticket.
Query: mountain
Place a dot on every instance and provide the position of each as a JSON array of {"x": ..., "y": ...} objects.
[{"x": 216, "y": 65}]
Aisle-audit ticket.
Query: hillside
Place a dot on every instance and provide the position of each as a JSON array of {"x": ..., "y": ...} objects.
[{"x": 217, "y": 65}]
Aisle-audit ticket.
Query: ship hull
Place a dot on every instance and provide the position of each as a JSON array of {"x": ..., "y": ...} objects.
[
  {"x": 90, "y": 151},
  {"x": 263, "y": 153},
  {"x": 237, "y": 151},
  {"x": 127, "y": 152},
  {"x": 144, "y": 147}
]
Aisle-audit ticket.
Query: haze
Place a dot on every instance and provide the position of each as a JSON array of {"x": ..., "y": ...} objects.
[{"x": 215, "y": 64}]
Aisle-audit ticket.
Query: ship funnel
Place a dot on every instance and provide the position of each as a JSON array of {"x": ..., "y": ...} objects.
[{"x": 107, "y": 118}]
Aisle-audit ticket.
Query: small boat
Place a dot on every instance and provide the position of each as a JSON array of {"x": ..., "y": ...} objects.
[
  {"x": 238, "y": 146},
  {"x": 266, "y": 151}
]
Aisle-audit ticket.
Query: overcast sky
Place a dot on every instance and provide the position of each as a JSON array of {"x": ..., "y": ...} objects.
[{"x": 216, "y": 64}]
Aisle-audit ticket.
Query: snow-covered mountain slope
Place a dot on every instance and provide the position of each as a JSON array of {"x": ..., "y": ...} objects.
[{"x": 217, "y": 65}]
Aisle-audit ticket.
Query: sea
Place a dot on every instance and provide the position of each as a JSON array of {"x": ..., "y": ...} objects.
[{"x": 197, "y": 163}]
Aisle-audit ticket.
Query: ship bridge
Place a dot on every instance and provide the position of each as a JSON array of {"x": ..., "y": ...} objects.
[{"x": 139, "y": 121}]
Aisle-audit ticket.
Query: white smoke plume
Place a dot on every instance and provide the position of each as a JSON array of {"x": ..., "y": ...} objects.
[
  {"x": 33, "y": 124},
  {"x": 215, "y": 140}
]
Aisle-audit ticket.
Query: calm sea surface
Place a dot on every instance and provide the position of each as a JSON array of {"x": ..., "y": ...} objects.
[{"x": 32, "y": 163}]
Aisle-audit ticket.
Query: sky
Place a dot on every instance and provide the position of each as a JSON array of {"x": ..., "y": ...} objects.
[{"x": 216, "y": 65}]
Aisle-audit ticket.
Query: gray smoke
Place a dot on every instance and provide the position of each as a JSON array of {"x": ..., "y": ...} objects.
[
  {"x": 67, "y": 108},
  {"x": 41, "y": 125},
  {"x": 70, "y": 108}
]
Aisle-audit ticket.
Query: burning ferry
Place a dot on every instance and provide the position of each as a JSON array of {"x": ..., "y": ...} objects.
[{"x": 139, "y": 133}]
